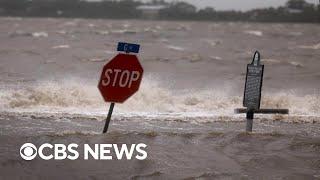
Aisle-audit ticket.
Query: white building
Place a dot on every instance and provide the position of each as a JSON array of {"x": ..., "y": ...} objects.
[{"x": 150, "y": 11}]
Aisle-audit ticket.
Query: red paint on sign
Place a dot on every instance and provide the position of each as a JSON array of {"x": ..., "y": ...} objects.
[{"x": 120, "y": 78}]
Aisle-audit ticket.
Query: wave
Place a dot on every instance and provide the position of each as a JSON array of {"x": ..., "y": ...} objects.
[
  {"x": 175, "y": 48},
  {"x": 254, "y": 32},
  {"x": 76, "y": 133},
  {"x": 73, "y": 96},
  {"x": 314, "y": 47},
  {"x": 21, "y": 33},
  {"x": 153, "y": 174}
]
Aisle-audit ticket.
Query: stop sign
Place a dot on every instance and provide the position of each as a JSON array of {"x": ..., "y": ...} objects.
[{"x": 120, "y": 78}]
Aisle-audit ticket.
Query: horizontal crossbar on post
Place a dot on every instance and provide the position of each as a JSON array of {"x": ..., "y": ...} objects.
[{"x": 262, "y": 111}]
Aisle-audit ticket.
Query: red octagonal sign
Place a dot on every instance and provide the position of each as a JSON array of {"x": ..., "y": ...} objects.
[{"x": 120, "y": 78}]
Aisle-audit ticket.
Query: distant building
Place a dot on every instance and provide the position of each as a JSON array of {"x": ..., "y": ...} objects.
[
  {"x": 150, "y": 11},
  {"x": 294, "y": 11},
  {"x": 296, "y": 6}
]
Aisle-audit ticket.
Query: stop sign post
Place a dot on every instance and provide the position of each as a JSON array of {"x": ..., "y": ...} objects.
[{"x": 120, "y": 78}]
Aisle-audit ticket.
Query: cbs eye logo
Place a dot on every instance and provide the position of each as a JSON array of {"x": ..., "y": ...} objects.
[{"x": 28, "y": 151}]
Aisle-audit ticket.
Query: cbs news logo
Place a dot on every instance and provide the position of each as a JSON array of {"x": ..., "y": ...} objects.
[{"x": 29, "y": 151}]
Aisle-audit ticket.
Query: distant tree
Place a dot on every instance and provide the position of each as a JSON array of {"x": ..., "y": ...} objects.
[
  {"x": 207, "y": 13},
  {"x": 207, "y": 10},
  {"x": 184, "y": 7},
  {"x": 14, "y": 7},
  {"x": 296, "y": 4},
  {"x": 179, "y": 10},
  {"x": 158, "y": 2},
  {"x": 294, "y": 11}
]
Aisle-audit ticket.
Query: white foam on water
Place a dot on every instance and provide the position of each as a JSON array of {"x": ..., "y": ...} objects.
[
  {"x": 296, "y": 64},
  {"x": 124, "y": 31},
  {"x": 212, "y": 42},
  {"x": 64, "y": 46},
  {"x": 254, "y": 32},
  {"x": 314, "y": 47},
  {"x": 71, "y": 23},
  {"x": 102, "y": 32},
  {"x": 96, "y": 59},
  {"x": 91, "y": 25},
  {"x": 295, "y": 33},
  {"x": 271, "y": 61},
  {"x": 76, "y": 97},
  {"x": 175, "y": 48},
  {"x": 40, "y": 34},
  {"x": 216, "y": 58}
]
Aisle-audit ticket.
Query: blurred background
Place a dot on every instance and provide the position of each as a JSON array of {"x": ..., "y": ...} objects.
[
  {"x": 218, "y": 10},
  {"x": 194, "y": 54}
]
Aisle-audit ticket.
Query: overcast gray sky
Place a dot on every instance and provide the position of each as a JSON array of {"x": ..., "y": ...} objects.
[{"x": 238, "y": 4}]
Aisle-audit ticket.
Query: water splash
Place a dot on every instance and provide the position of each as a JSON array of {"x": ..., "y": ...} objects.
[{"x": 79, "y": 97}]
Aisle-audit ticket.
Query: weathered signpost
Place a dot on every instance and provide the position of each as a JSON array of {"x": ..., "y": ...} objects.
[
  {"x": 120, "y": 77},
  {"x": 252, "y": 93}
]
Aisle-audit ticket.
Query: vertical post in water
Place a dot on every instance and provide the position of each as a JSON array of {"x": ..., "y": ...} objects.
[
  {"x": 105, "y": 129},
  {"x": 250, "y": 114}
]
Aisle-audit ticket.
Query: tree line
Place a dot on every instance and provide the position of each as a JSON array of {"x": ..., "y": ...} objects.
[{"x": 293, "y": 11}]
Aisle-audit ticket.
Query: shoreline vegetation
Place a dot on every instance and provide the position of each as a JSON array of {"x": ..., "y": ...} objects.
[{"x": 292, "y": 11}]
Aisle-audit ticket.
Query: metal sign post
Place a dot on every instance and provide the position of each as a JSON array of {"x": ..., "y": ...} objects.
[
  {"x": 120, "y": 78},
  {"x": 106, "y": 126},
  {"x": 249, "y": 116},
  {"x": 252, "y": 93}
]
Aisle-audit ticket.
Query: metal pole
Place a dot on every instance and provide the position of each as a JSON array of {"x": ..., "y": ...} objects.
[
  {"x": 250, "y": 115},
  {"x": 105, "y": 129}
]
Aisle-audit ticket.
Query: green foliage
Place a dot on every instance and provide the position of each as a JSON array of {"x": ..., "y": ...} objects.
[
  {"x": 70, "y": 8},
  {"x": 296, "y": 4},
  {"x": 180, "y": 10},
  {"x": 294, "y": 11}
]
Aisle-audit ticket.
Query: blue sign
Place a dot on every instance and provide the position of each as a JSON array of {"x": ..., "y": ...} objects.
[{"x": 126, "y": 47}]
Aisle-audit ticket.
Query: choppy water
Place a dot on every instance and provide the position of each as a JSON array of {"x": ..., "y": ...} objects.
[{"x": 184, "y": 111}]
